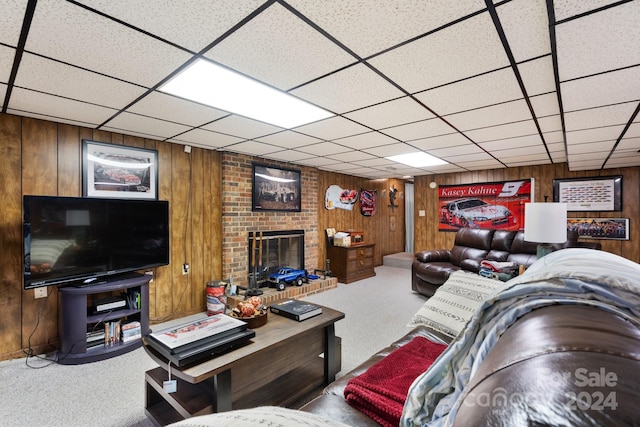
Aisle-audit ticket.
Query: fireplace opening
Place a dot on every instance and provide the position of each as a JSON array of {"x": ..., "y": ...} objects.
[{"x": 272, "y": 250}]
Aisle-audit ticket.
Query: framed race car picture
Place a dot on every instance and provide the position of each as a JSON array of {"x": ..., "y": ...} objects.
[
  {"x": 275, "y": 189},
  {"x": 596, "y": 194},
  {"x": 118, "y": 171},
  {"x": 492, "y": 205}
]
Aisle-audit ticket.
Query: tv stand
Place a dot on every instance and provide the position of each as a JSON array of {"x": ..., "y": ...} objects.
[{"x": 75, "y": 317}]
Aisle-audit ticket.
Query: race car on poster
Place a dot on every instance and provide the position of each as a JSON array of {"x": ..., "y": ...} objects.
[{"x": 475, "y": 213}]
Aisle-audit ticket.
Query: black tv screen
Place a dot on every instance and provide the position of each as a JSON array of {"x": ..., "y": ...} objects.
[{"x": 75, "y": 240}]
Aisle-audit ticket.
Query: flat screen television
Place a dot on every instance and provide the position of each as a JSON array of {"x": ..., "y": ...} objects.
[{"x": 82, "y": 241}]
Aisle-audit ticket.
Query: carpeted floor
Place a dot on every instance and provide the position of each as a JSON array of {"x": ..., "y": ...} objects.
[{"x": 111, "y": 392}]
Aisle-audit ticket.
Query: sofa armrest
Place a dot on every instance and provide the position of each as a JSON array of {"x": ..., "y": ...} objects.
[
  {"x": 471, "y": 264},
  {"x": 438, "y": 255}
]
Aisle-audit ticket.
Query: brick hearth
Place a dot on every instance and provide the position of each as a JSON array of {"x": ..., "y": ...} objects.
[{"x": 272, "y": 296}]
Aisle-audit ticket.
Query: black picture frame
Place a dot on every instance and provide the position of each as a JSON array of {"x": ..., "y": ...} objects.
[
  {"x": 589, "y": 194},
  {"x": 118, "y": 171},
  {"x": 275, "y": 189}
]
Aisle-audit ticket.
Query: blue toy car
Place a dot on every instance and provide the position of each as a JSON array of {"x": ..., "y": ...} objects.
[{"x": 288, "y": 275}]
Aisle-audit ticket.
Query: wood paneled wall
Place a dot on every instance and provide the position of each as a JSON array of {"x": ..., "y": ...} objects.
[
  {"x": 45, "y": 158},
  {"x": 377, "y": 228},
  {"x": 427, "y": 236}
]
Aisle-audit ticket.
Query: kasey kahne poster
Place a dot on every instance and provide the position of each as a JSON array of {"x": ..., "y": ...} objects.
[{"x": 494, "y": 205}]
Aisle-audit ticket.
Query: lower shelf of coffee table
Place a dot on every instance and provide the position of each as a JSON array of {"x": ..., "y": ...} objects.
[{"x": 198, "y": 399}]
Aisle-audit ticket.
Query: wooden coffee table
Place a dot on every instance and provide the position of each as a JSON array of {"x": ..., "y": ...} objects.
[{"x": 285, "y": 361}]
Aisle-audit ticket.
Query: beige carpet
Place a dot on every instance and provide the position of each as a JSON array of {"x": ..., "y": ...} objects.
[{"x": 111, "y": 392}]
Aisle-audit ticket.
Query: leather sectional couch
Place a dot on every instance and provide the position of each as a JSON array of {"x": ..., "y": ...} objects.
[{"x": 432, "y": 268}]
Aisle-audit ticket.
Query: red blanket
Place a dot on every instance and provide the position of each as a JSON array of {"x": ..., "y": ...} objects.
[{"x": 380, "y": 392}]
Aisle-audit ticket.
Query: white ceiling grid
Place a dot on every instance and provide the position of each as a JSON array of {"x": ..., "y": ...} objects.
[{"x": 479, "y": 84}]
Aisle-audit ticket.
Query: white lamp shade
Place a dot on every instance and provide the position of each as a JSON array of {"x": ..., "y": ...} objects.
[{"x": 545, "y": 222}]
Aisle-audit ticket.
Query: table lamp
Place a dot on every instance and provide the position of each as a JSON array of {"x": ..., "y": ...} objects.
[{"x": 545, "y": 223}]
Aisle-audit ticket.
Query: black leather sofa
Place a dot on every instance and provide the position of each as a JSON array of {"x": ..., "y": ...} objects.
[{"x": 432, "y": 268}]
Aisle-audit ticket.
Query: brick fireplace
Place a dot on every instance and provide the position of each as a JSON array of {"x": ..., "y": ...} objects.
[{"x": 239, "y": 221}]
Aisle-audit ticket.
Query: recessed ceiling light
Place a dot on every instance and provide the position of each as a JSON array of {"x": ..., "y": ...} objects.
[
  {"x": 219, "y": 87},
  {"x": 419, "y": 159}
]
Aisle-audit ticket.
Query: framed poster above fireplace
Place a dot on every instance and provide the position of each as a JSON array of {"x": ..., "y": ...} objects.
[{"x": 275, "y": 189}]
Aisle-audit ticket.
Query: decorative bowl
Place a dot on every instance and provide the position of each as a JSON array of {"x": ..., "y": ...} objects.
[{"x": 253, "y": 321}]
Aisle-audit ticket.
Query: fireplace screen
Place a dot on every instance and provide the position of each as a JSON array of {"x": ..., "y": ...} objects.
[{"x": 271, "y": 250}]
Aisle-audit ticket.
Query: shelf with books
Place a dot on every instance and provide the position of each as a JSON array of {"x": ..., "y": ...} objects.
[{"x": 79, "y": 326}]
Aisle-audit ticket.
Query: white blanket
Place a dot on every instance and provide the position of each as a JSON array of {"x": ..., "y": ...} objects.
[{"x": 568, "y": 276}]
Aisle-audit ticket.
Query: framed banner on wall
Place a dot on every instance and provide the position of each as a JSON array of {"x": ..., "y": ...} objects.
[
  {"x": 602, "y": 194},
  {"x": 494, "y": 205},
  {"x": 600, "y": 228}
]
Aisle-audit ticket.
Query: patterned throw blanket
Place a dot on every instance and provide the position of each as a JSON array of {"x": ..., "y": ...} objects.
[
  {"x": 380, "y": 392},
  {"x": 569, "y": 276}
]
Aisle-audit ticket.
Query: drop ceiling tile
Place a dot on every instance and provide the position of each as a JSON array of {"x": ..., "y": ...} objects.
[
  {"x": 392, "y": 113},
  {"x": 369, "y": 26},
  {"x": 466, "y": 49},
  {"x": 6, "y": 62},
  {"x": 55, "y": 78},
  {"x": 366, "y": 140},
  {"x": 599, "y": 42},
  {"x": 567, "y": 8},
  {"x": 146, "y": 125},
  {"x": 585, "y": 165},
  {"x": 488, "y": 89},
  {"x": 85, "y": 39},
  {"x": 174, "y": 109},
  {"x": 490, "y": 116},
  {"x": 377, "y": 162},
  {"x": 3, "y": 90},
  {"x": 332, "y": 128},
  {"x": 511, "y": 143},
  {"x": 550, "y": 124},
  {"x": 593, "y": 135},
  {"x": 460, "y": 150},
  {"x": 621, "y": 162},
  {"x": 595, "y": 156},
  {"x": 545, "y": 105},
  {"x": 604, "y": 89},
  {"x": 350, "y": 89},
  {"x": 537, "y": 76},
  {"x": 192, "y": 25},
  {"x": 323, "y": 149},
  {"x": 316, "y": 161},
  {"x": 287, "y": 156},
  {"x": 206, "y": 138},
  {"x": 599, "y": 117},
  {"x": 442, "y": 141},
  {"x": 253, "y": 147},
  {"x": 444, "y": 169},
  {"x": 467, "y": 158},
  {"x": 11, "y": 21},
  {"x": 481, "y": 164},
  {"x": 419, "y": 130},
  {"x": 634, "y": 129},
  {"x": 591, "y": 147},
  {"x": 556, "y": 137},
  {"x": 391, "y": 150},
  {"x": 288, "y": 139},
  {"x": 526, "y": 161},
  {"x": 351, "y": 156},
  {"x": 242, "y": 127},
  {"x": 526, "y": 27},
  {"x": 55, "y": 108},
  {"x": 503, "y": 131},
  {"x": 272, "y": 42}
]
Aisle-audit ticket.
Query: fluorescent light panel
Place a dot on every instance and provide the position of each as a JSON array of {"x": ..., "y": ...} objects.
[
  {"x": 418, "y": 159},
  {"x": 219, "y": 87}
]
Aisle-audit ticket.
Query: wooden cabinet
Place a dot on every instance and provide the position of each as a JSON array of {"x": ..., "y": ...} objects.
[{"x": 352, "y": 263}]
